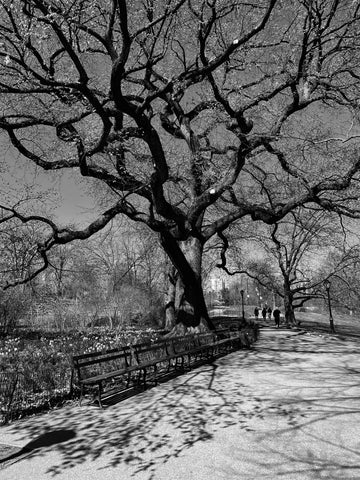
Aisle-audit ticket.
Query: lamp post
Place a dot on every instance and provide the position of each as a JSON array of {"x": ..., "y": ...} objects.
[
  {"x": 331, "y": 320},
  {"x": 242, "y": 304}
]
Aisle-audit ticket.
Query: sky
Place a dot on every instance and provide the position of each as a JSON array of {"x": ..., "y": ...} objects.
[{"x": 64, "y": 195}]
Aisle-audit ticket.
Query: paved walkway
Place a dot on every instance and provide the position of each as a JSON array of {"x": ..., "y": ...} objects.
[{"x": 289, "y": 409}]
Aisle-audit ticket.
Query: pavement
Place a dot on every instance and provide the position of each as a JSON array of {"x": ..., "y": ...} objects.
[{"x": 288, "y": 409}]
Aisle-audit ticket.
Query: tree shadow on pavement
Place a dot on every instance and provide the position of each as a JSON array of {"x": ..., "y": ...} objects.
[
  {"x": 313, "y": 411},
  {"x": 281, "y": 380},
  {"x": 146, "y": 430},
  {"x": 47, "y": 439}
]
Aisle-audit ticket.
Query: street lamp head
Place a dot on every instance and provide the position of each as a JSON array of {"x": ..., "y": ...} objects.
[
  {"x": 327, "y": 284},
  {"x": 242, "y": 292}
]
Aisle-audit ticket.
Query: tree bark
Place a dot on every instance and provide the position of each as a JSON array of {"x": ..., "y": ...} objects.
[
  {"x": 290, "y": 319},
  {"x": 192, "y": 313},
  {"x": 170, "y": 305}
]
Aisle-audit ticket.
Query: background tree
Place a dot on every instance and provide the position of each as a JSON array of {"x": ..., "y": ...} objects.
[
  {"x": 193, "y": 114},
  {"x": 131, "y": 264},
  {"x": 296, "y": 245},
  {"x": 341, "y": 267},
  {"x": 114, "y": 279},
  {"x": 294, "y": 257},
  {"x": 18, "y": 260}
]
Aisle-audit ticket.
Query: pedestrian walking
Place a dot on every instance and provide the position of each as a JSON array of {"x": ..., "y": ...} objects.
[
  {"x": 256, "y": 313},
  {"x": 269, "y": 311},
  {"x": 263, "y": 313},
  {"x": 276, "y": 314}
]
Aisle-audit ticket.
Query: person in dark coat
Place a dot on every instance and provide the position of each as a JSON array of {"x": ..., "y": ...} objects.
[
  {"x": 269, "y": 311},
  {"x": 276, "y": 314},
  {"x": 263, "y": 312},
  {"x": 256, "y": 313}
]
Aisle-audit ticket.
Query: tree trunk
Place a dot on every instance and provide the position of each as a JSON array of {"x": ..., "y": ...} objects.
[
  {"x": 290, "y": 319},
  {"x": 192, "y": 313},
  {"x": 170, "y": 305}
]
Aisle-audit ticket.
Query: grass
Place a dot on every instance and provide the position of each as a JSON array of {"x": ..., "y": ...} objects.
[{"x": 345, "y": 325}]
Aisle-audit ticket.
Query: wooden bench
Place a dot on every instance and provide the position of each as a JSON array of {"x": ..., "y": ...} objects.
[
  {"x": 96, "y": 368},
  {"x": 151, "y": 360},
  {"x": 109, "y": 371}
]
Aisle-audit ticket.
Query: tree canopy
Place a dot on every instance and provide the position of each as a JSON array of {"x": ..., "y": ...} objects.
[{"x": 190, "y": 114}]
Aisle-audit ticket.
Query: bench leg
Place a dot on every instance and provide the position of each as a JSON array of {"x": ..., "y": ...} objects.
[
  {"x": 139, "y": 375},
  {"x": 81, "y": 393},
  {"x": 155, "y": 375},
  {"x": 144, "y": 377},
  {"x": 99, "y": 395},
  {"x": 183, "y": 366},
  {"x": 179, "y": 363},
  {"x": 176, "y": 363},
  {"x": 189, "y": 361},
  {"x": 128, "y": 380}
]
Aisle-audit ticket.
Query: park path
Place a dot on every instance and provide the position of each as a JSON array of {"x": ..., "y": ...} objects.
[{"x": 288, "y": 409}]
